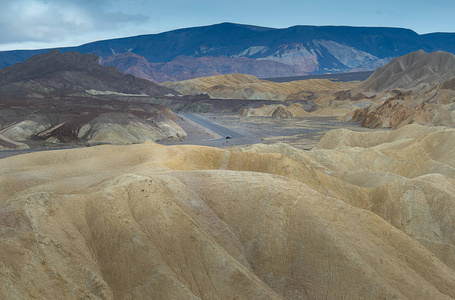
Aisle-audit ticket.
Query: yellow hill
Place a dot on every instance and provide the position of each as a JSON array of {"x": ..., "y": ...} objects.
[
  {"x": 361, "y": 216},
  {"x": 240, "y": 86}
]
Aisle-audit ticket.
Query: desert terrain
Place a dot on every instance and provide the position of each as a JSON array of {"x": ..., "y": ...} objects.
[
  {"x": 302, "y": 133},
  {"x": 307, "y": 189},
  {"x": 417, "y": 88},
  {"x": 362, "y": 215},
  {"x": 57, "y": 99}
]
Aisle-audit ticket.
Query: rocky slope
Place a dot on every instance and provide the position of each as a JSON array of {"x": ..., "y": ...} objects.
[
  {"x": 69, "y": 98},
  {"x": 280, "y": 111},
  {"x": 416, "y": 72},
  {"x": 363, "y": 216},
  {"x": 73, "y": 71},
  {"x": 45, "y": 122},
  {"x": 286, "y": 52},
  {"x": 8, "y": 144},
  {"x": 415, "y": 88},
  {"x": 320, "y": 95}
]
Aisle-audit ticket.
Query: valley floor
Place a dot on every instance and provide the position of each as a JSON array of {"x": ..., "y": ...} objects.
[{"x": 301, "y": 133}]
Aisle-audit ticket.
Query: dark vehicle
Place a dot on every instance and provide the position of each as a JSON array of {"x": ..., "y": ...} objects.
[{"x": 228, "y": 137}]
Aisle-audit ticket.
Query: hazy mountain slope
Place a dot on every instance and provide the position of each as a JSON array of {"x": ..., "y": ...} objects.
[
  {"x": 439, "y": 41},
  {"x": 305, "y": 49},
  {"x": 9, "y": 58},
  {"x": 77, "y": 72},
  {"x": 186, "y": 67},
  {"x": 232, "y": 39},
  {"x": 188, "y": 222}
]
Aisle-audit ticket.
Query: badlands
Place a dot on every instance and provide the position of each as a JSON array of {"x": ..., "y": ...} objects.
[
  {"x": 416, "y": 88},
  {"x": 67, "y": 99},
  {"x": 358, "y": 215},
  {"x": 363, "y": 215}
]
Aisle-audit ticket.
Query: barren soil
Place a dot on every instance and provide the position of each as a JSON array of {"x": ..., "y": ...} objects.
[
  {"x": 363, "y": 215},
  {"x": 302, "y": 133}
]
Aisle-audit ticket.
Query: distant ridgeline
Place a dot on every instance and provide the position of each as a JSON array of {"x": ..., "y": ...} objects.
[{"x": 264, "y": 52}]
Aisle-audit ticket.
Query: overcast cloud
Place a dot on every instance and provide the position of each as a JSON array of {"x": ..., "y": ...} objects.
[
  {"x": 32, "y": 24},
  {"x": 62, "y": 21}
]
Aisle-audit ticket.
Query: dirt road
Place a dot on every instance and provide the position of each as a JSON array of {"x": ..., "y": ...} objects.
[{"x": 216, "y": 128}]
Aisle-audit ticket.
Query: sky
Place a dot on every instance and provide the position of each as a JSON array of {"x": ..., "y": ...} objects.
[{"x": 36, "y": 24}]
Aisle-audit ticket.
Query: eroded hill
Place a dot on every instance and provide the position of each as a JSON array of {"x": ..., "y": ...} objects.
[
  {"x": 315, "y": 94},
  {"x": 416, "y": 88},
  {"x": 73, "y": 71},
  {"x": 415, "y": 72},
  {"x": 61, "y": 98},
  {"x": 364, "y": 215},
  {"x": 241, "y": 86}
]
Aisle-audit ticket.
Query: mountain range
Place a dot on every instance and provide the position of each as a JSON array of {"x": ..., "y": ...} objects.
[{"x": 264, "y": 52}]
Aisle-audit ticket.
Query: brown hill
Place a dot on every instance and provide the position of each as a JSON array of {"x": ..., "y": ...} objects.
[
  {"x": 364, "y": 216},
  {"x": 73, "y": 71},
  {"x": 44, "y": 122},
  {"x": 69, "y": 98},
  {"x": 416, "y": 88},
  {"x": 416, "y": 71},
  {"x": 323, "y": 92},
  {"x": 395, "y": 109},
  {"x": 241, "y": 86},
  {"x": 281, "y": 111}
]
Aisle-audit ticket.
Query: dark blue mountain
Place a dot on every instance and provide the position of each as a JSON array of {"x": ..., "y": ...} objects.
[{"x": 306, "y": 49}]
